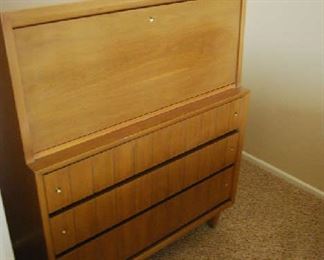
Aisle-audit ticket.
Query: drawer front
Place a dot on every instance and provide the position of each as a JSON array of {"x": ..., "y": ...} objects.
[
  {"x": 133, "y": 197},
  {"x": 91, "y": 175},
  {"x": 68, "y": 185},
  {"x": 157, "y": 223},
  {"x": 82, "y": 75}
]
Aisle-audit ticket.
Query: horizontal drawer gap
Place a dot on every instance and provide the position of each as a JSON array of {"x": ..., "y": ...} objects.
[
  {"x": 139, "y": 175},
  {"x": 226, "y": 202},
  {"x": 142, "y": 212}
]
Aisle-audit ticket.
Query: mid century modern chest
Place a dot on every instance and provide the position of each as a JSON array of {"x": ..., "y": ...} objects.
[{"x": 122, "y": 124}]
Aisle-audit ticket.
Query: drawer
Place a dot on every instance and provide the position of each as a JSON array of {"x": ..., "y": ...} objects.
[
  {"x": 98, "y": 172},
  {"x": 104, "y": 211},
  {"x": 137, "y": 58},
  {"x": 144, "y": 230},
  {"x": 68, "y": 184}
]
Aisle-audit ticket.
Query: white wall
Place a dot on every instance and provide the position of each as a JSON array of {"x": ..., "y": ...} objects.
[
  {"x": 283, "y": 66},
  {"x": 5, "y": 244}
]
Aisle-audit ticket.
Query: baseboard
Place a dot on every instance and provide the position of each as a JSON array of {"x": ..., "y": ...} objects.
[{"x": 283, "y": 175}]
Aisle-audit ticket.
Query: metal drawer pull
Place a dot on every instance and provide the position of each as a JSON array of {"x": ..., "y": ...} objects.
[
  {"x": 58, "y": 190},
  {"x": 151, "y": 19}
]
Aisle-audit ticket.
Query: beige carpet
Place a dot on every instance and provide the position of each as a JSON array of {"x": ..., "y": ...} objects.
[{"x": 271, "y": 220}]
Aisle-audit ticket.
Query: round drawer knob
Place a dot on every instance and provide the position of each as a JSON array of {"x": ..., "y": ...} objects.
[
  {"x": 226, "y": 184},
  {"x": 232, "y": 149},
  {"x": 236, "y": 114},
  {"x": 58, "y": 190},
  {"x": 63, "y": 232},
  {"x": 151, "y": 19}
]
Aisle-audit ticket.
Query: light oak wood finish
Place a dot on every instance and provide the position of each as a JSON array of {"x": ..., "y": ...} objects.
[
  {"x": 84, "y": 147},
  {"x": 45, "y": 223},
  {"x": 69, "y": 184},
  {"x": 130, "y": 158},
  {"x": 58, "y": 189},
  {"x": 103, "y": 168},
  {"x": 114, "y": 118},
  {"x": 242, "y": 126},
  {"x": 133, "y": 197},
  {"x": 48, "y": 14},
  {"x": 241, "y": 41},
  {"x": 119, "y": 74},
  {"x": 129, "y": 237},
  {"x": 182, "y": 232},
  {"x": 79, "y": 147},
  {"x": 17, "y": 182}
]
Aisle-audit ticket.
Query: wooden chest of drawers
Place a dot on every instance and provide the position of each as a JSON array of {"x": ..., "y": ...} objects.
[{"x": 122, "y": 124}]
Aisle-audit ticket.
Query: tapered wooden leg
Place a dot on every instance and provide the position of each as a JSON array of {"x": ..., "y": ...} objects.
[{"x": 213, "y": 221}]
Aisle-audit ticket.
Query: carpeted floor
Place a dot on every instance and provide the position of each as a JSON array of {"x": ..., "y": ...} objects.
[{"x": 271, "y": 220}]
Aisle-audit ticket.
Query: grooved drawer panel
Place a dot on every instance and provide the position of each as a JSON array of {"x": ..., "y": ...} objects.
[
  {"x": 133, "y": 197},
  {"x": 103, "y": 166},
  {"x": 69, "y": 185},
  {"x": 151, "y": 226},
  {"x": 123, "y": 161},
  {"x": 91, "y": 175}
]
